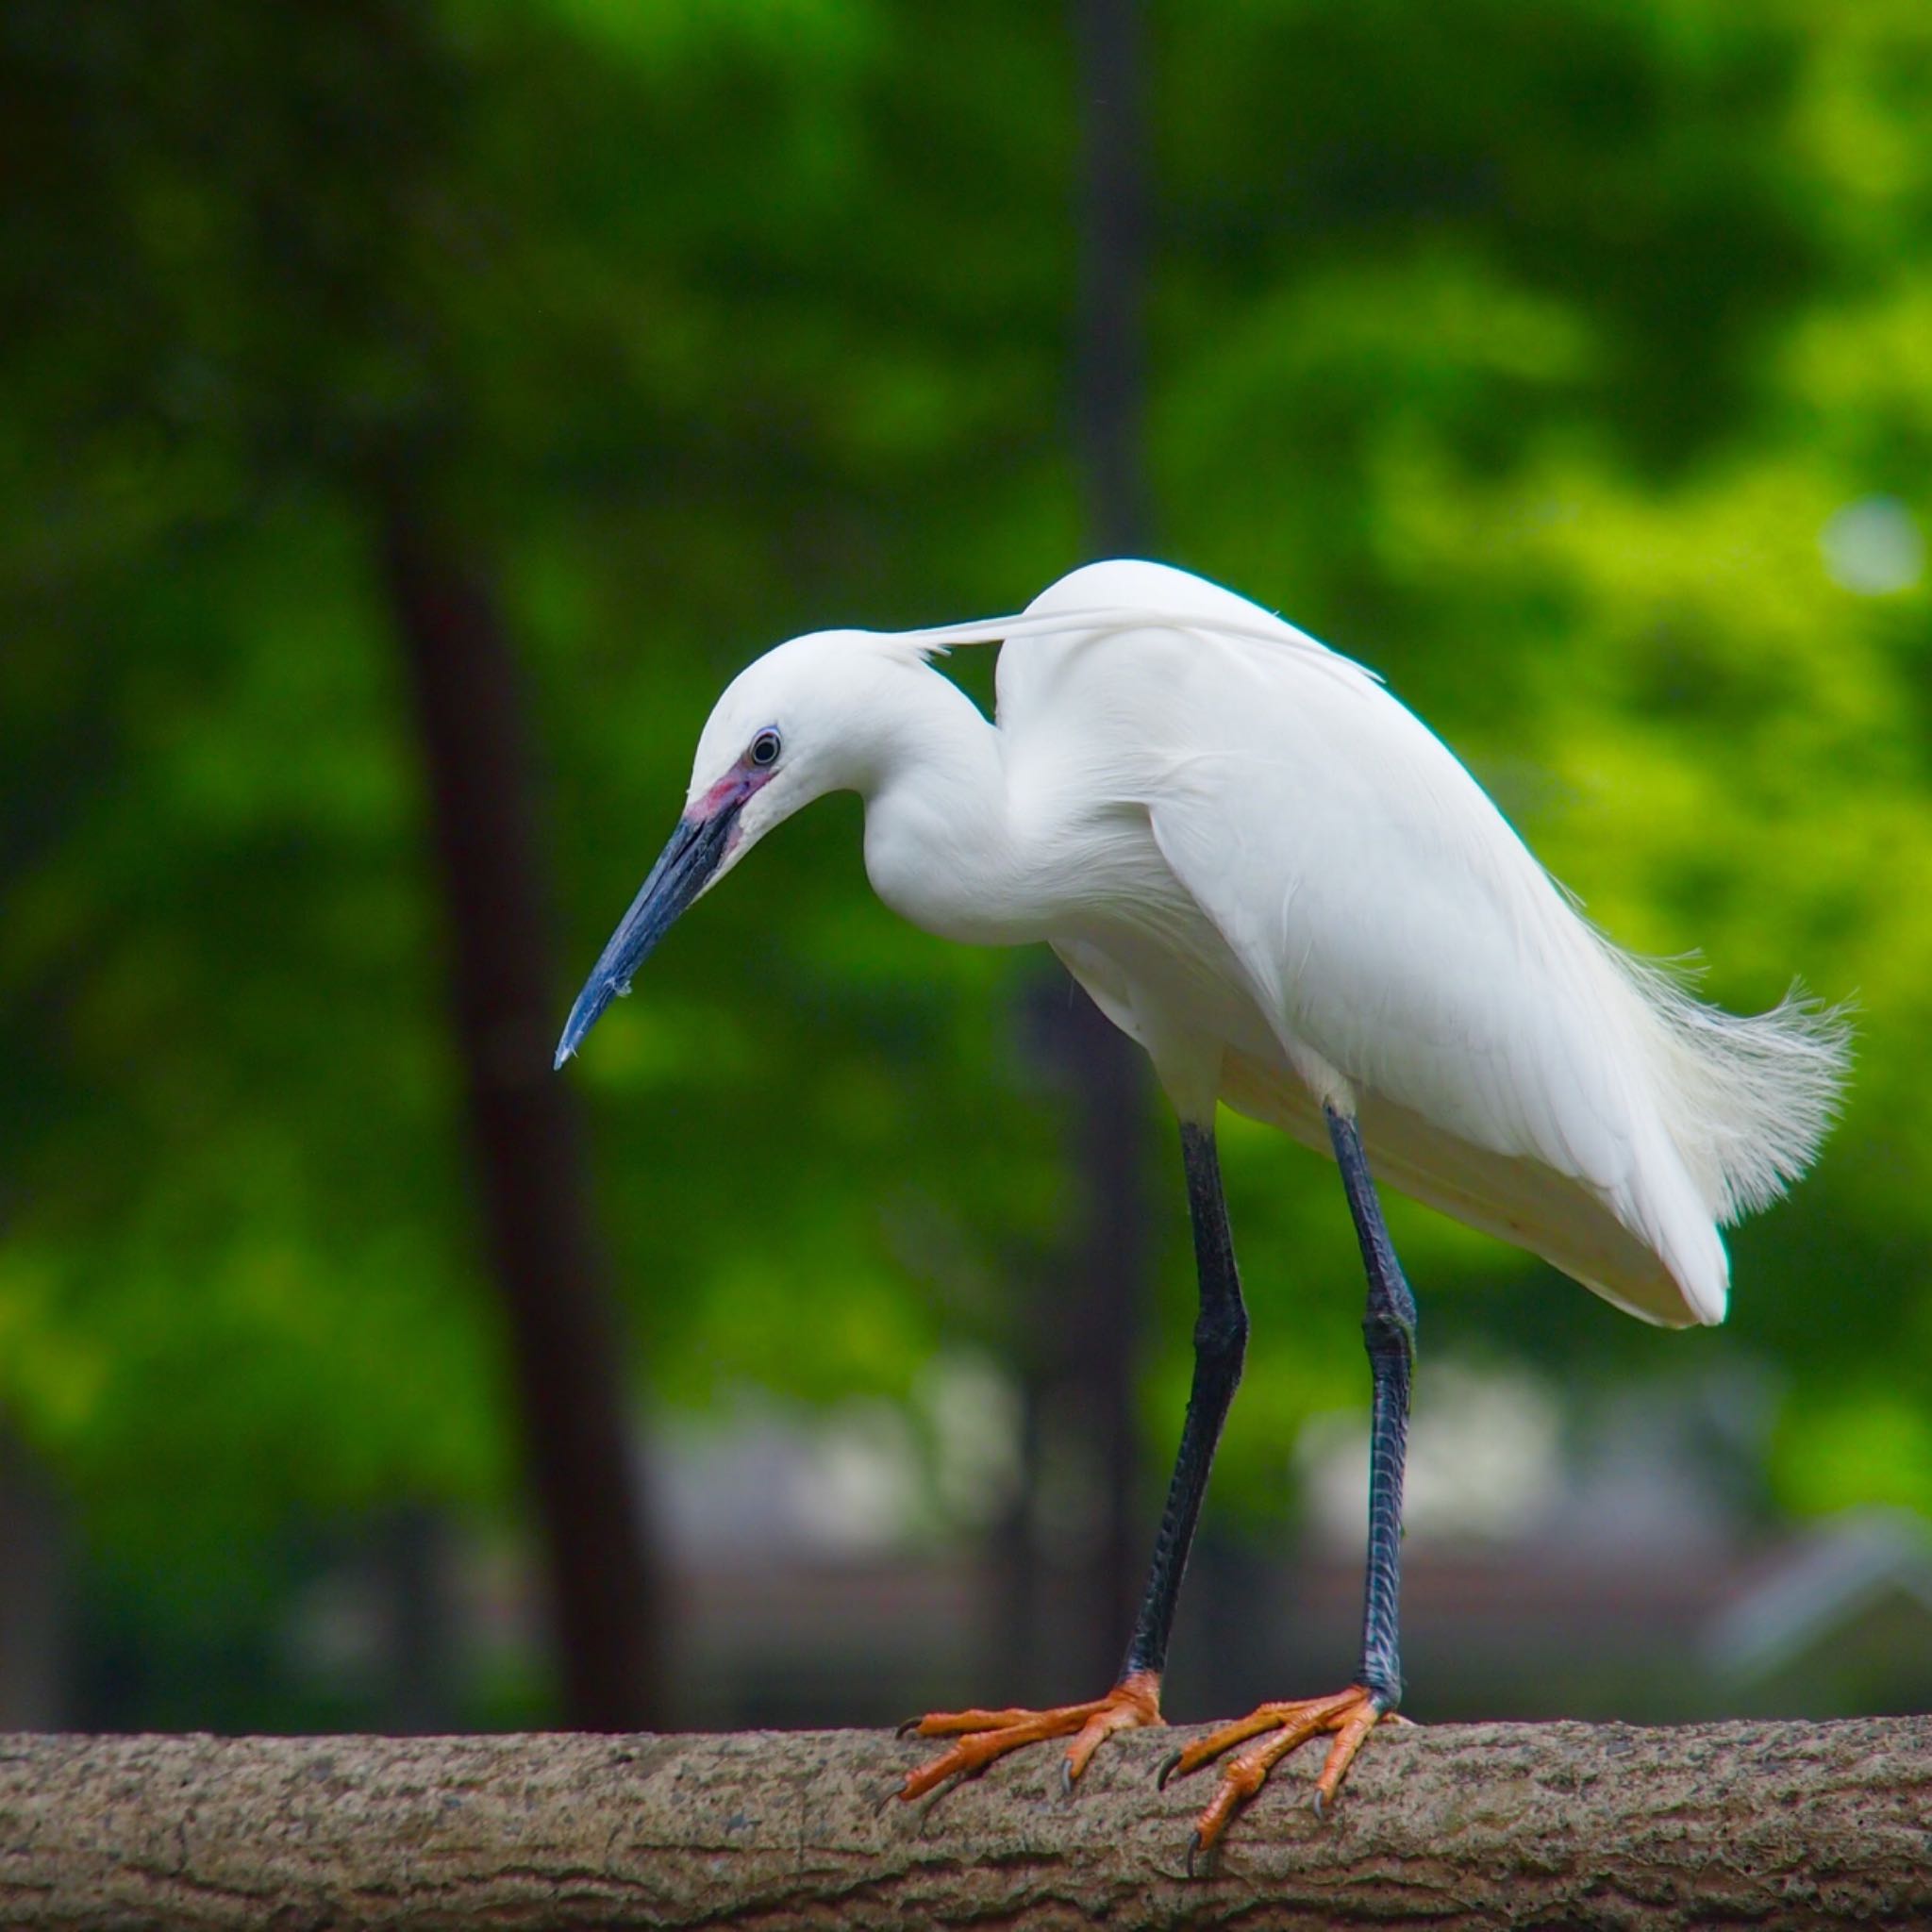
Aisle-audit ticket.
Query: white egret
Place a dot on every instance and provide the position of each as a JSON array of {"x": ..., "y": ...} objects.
[{"x": 1277, "y": 881}]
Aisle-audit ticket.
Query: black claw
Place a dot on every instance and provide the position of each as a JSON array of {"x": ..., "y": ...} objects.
[
  {"x": 1166, "y": 1771},
  {"x": 1193, "y": 1851},
  {"x": 1318, "y": 1804},
  {"x": 1066, "y": 1777},
  {"x": 907, "y": 1729}
]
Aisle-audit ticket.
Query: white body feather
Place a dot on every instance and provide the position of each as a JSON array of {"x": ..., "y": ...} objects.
[{"x": 1274, "y": 876}]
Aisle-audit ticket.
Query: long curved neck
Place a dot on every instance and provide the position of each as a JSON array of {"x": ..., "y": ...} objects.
[{"x": 939, "y": 843}]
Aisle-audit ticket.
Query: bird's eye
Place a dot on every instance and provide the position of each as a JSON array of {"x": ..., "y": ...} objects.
[{"x": 764, "y": 748}]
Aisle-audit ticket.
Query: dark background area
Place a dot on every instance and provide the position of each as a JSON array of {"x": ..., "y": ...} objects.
[{"x": 412, "y": 414}]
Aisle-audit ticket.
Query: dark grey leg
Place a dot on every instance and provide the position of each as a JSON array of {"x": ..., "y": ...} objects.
[
  {"x": 1220, "y": 1338},
  {"x": 1389, "y": 1329}
]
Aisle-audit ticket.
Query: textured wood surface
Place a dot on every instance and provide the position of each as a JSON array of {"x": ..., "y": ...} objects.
[{"x": 1764, "y": 1824}]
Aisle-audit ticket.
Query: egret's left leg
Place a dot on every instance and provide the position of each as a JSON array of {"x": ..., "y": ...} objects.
[
  {"x": 1221, "y": 1337},
  {"x": 1350, "y": 1715}
]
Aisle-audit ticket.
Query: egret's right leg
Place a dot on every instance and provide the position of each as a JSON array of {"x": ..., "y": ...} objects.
[{"x": 1220, "y": 1336}]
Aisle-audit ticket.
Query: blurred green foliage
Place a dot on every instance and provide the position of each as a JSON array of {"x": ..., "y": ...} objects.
[{"x": 1526, "y": 352}]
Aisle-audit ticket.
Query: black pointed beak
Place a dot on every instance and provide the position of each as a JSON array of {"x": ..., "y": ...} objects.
[{"x": 683, "y": 869}]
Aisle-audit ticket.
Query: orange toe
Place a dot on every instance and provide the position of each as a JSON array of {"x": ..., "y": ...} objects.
[
  {"x": 1350, "y": 1715},
  {"x": 986, "y": 1735}
]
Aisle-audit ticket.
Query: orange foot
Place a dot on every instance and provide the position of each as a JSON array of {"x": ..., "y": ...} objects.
[
  {"x": 985, "y": 1735},
  {"x": 1351, "y": 1714}
]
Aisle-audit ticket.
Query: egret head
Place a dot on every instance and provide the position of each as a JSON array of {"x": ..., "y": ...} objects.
[{"x": 790, "y": 727}]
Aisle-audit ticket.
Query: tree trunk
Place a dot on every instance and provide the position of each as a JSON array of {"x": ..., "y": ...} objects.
[
  {"x": 1101, "y": 1314},
  {"x": 1774, "y": 1824},
  {"x": 1110, "y": 391},
  {"x": 35, "y": 1692},
  {"x": 581, "y": 1455}
]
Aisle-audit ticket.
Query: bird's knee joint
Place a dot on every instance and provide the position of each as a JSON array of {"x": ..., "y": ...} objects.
[
  {"x": 1385, "y": 1334},
  {"x": 1222, "y": 1339}
]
